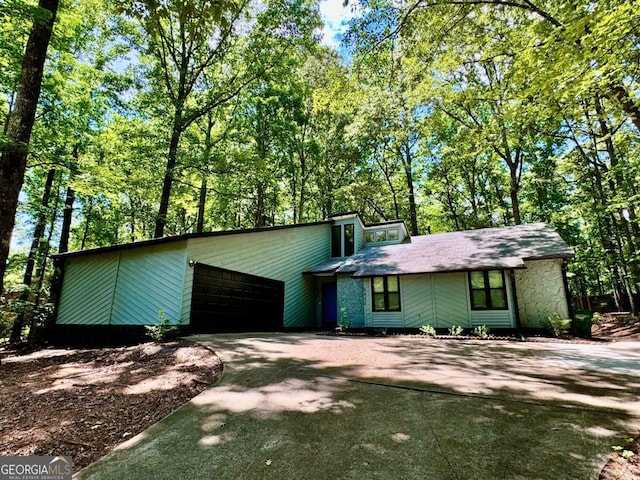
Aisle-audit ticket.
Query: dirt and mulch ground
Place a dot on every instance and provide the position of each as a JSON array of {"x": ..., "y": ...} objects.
[
  {"x": 623, "y": 464},
  {"x": 616, "y": 327},
  {"x": 85, "y": 402}
]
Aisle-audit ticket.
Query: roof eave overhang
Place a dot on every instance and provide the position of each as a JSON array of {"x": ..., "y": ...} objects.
[
  {"x": 431, "y": 272},
  {"x": 550, "y": 257}
]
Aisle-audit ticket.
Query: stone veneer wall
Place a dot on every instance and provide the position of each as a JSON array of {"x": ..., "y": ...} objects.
[
  {"x": 351, "y": 298},
  {"x": 540, "y": 290}
]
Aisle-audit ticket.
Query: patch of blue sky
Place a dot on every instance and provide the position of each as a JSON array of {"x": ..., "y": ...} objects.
[{"x": 336, "y": 17}]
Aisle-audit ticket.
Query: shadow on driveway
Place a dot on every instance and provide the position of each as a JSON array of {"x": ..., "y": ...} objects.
[{"x": 313, "y": 407}]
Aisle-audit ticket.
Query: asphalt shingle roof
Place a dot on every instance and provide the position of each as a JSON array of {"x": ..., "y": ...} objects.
[{"x": 482, "y": 249}]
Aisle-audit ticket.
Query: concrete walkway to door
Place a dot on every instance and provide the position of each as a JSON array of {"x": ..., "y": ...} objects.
[{"x": 303, "y": 406}]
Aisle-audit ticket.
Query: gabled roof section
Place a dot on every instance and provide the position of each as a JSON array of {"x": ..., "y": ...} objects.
[
  {"x": 483, "y": 249},
  {"x": 178, "y": 238}
]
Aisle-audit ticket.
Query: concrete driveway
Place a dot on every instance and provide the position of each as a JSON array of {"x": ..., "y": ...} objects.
[{"x": 303, "y": 406}]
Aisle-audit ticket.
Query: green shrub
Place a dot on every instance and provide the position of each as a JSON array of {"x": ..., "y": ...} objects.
[
  {"x": 428, "y": 330},
  {"x": 165, "y": 330},
  {"x": 6, "y": 321},
  {"x": 455, "y": 330},
  {"x": 481, "y": 331},
  {"x": 343, "y": 323},
  {"x": 558, "y": 325}
]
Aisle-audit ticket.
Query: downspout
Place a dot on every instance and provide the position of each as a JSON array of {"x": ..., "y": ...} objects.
[
  {"x": 567, "y": 292},
  {"x": 512, "y": 276}
]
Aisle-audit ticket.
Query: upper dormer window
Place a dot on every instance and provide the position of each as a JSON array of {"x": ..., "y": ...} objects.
[
  {"x": 342, "y": 240},
  {"x": 382, "y": 235}
]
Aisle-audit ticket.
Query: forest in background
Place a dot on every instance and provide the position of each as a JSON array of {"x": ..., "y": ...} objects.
[{"x": 165, "y": 117}]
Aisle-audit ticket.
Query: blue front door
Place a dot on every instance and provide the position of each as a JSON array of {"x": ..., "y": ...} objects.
[{"x": 330, "y": 303}]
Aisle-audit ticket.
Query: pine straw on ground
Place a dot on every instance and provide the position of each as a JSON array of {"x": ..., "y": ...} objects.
[{"x": 85, "y": 402}]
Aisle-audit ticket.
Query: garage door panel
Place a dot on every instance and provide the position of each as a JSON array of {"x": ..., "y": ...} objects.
[{"x": 227, "y": 301}]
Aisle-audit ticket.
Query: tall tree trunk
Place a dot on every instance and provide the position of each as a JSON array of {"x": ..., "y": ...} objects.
[
  {"x": 624, "y": 99},
  {"x": 303, "y": 185},
  {"x": 38, "y": 232},
  {"x": 66, "y": 220},
  {"x": 408, "y": 171},
  {"x": 201, "y": 204},
  {"x": 13, "y": 154},
  {"x": 41, "y": 224},
  {"x": 161, "y": 220},
  {"x": 202, "y": 199},
  {"x": 87, "y": 221},
  {"x": 42, "y": 267},
  {"x": 514, "y": 187},
  {"x": 46, "y": 245},
  {"x": 260, "y": 214},
  {"x": 450, "y": 203}
]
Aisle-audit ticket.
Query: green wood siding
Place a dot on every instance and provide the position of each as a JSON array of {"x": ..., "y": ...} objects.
[
  {"x": 492, "y": 318},
  {"x": 451, "y": 299},
  {"x": 440, "y": 300},
  {"x": 128, "y": 287},
  {"x": 87, "y": 292},
  {"x": 417, "y": 301},
  {"x": 276, "y": 254},
  {"x": 149, "y": 280},
  {"x": 359, "y": 235}
]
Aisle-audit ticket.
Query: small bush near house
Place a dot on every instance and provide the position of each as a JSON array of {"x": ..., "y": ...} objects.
[
  {"x": 165, "y": 330},
  {"x": 558, "y": 325},
  {"x": 455, "y": 330},
  {"x": 343, "y": 322},
  {"x": 481, "y": 331},
  {"x": 428, "y": 330}
]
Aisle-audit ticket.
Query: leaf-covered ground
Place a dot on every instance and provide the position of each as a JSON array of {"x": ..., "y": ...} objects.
[
  {"x": 621, "y": 465},
  {"x": 616, "y": 327},
  {"x": 85, "y": 402}
]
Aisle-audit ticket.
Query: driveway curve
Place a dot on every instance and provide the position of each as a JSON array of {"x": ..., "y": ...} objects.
[{"x": 306, "y": 406}]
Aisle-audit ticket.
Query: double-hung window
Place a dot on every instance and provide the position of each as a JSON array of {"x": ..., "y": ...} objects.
[
  {"x": 342, "y": 240},
  {"x": 385, "y": 294},
  {"x": 488, "y": 290}
]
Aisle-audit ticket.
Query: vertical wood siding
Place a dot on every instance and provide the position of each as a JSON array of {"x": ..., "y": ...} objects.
[
  {"x": 417, "y": 301},
  {"x": 87, "y": 292},
  {"x": 451, "y": 299},
  {"x": 149, "y": 280},
  {"x": 276, "y": 254}
]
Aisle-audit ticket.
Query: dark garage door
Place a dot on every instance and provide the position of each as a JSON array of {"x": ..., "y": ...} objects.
[{"x": 228, "y": 301}]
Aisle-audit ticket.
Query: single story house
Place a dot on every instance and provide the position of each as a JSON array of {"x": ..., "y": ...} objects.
[{"x": 317, "y": 275}]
